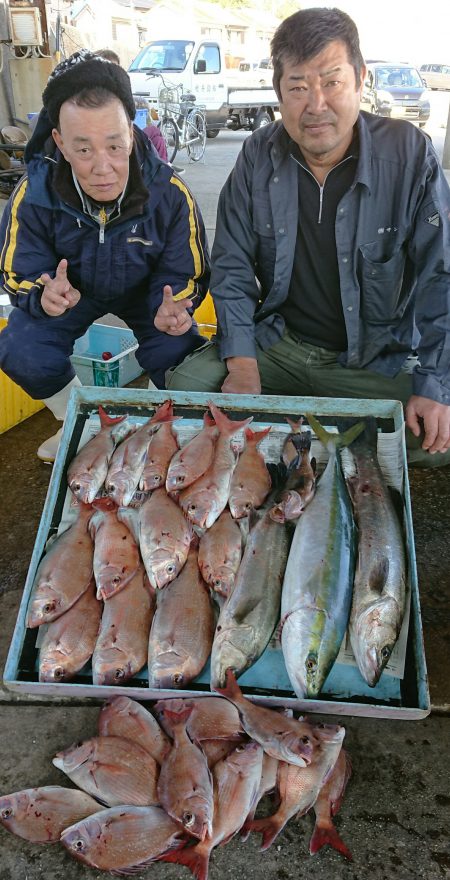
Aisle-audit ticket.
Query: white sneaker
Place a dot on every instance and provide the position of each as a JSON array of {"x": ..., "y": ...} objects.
[{"x": 48, "y": 449}]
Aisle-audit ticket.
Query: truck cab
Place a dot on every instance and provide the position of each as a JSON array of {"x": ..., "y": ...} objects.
[{"x": 196, "y": 64}]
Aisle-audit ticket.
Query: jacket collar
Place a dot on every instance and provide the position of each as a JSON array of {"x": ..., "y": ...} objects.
[{"x": 280, "y": 148}]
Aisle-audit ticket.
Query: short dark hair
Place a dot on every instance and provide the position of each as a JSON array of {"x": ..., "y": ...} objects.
[{"x": 305, "y": 33}]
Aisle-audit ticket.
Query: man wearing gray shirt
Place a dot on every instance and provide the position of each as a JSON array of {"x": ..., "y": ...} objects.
[{"x": 331, "y": 260}]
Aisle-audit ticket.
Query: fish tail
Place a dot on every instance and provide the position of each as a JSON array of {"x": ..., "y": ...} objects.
[
  {"x": 302, "y": 441},
  {"x": 224, "y": 424},
  {"x": 208, "y": 421},
  {"x": 269, "y": 827},
  {"x": 105, "y": 503},
  {"x": 231, "y": 690},
  {"x": 332, "y": 440},
  {"x": 193, "y": 857},
  {"x": 295, "y": 427},
  {"x": 106, "y": 420},
  {"x": 164, "y": 413},
  {"x": 178, "y": 717},
  {"x": 323, "y": 836},
  {"x": 256, "y": 436}
]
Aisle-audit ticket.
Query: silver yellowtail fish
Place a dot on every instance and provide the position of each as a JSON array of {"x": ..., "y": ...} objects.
[
  {"x": 318, "y": 580},
  {"x": 252, "y": 610},
  {"x": 380, "y": 579}
]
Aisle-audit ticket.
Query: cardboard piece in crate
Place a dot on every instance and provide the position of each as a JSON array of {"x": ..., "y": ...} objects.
[{"x": 402, "y": 691}]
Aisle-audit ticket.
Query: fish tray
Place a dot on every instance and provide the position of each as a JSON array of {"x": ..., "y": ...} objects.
[{"x": 402, "y": 695}]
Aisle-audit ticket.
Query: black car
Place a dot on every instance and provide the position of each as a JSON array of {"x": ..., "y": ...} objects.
[{"x": 397, "y": 91}]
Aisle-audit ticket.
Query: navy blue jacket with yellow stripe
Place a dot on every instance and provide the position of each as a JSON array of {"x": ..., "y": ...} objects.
[{"x": 159, "y": 237}]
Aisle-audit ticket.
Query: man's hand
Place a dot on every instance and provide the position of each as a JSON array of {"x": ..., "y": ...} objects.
[
  {"x": 436, "y": 422},
  {"x": 243, "y": 376},
  {"x": 58, "y": 294},
  {"x": 173, "y": 317}
]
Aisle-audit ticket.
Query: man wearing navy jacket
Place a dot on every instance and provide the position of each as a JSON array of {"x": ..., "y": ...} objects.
[{"x": 98, "y": 224}]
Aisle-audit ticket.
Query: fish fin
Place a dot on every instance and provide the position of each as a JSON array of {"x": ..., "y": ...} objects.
[
  {"x": 224, "y": 424},
  {"x": 136, "y": 869},
  {"x": 231, "y": 690},
  {"x": 106, "y": 420},
  {"x": 269, "y": 827},
  {"x": 256, "y": 436},
  {"x": 295, "y": 427},
  {"x": 197, "y": 860},
  {"x": 323, "y": 836},
  {"x": 331, "y": 440}
]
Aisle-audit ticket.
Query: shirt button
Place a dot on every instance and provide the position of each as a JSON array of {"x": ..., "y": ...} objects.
[
  {"x": 275, "y": 180},
  {"x": 281, "y": 231},
  {"x": 268, "y": 226},
  {"x": 341, "y": 210},
  {"x": 349, "y": 308},
  {"x": 345, "y": 259}
]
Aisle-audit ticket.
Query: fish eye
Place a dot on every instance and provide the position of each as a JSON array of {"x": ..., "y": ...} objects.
[
  {"x": 177, "y": 678},
  {"x": 79, "y": 845},
  {"x": 59, "y": 672},
  {"x": 188, "y": 819},
  {"x": 191, "y": 508},
  {"x": 311, "y": 664},
  {"x": 305, "y": 740},
  {"x": 116, "y": 579},
  {"x": 7, "y": 813},
  {"x": 321, "y": 725},
  {"x": 111, "y": 487},
  {"x": 179, "y": 479},
  {"x": 76, "y": 487},
  {"x": 156, "y": 479},
  {"x": 49, "y": 606},
  {"x": 217, "y": 582},
  {"x": 240, "y": 748},
  {"x": 170, "y": 568},
  {"x": 119, "y": 673},
  {"x": 386, "y": 652}
]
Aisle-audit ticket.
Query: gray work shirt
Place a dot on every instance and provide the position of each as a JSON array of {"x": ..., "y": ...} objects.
[{"x": 393, "y": 246}]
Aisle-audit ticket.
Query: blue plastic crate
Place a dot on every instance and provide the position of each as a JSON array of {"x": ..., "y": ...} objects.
[{"x": 115, "y": 372}]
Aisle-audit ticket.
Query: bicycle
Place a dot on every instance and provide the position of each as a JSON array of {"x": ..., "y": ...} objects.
[{"x": 182, "y": 121}]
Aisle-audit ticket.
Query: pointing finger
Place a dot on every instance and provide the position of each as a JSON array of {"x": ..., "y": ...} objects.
[{"x": 61, "y": 270}]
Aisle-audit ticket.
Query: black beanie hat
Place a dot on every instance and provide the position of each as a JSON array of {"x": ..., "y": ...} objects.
[{"x": 84, "y": 70}]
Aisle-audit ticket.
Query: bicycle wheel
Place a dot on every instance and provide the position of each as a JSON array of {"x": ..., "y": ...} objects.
[
  {"x": 169, "y": 132},
  {"x": 195, "y": 134}
]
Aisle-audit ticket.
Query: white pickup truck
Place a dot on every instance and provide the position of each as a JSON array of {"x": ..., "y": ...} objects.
[{"x": 199, "y": 66}]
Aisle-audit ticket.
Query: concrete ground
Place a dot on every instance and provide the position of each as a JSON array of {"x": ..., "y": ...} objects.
[{"x": 395, "y": 816}]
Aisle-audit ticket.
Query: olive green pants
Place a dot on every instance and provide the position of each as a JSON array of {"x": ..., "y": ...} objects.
[{"x": 292, "y": 367}]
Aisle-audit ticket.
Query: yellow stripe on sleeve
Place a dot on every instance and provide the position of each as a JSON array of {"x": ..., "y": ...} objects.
[
  {"x": 13, "y": 225},
  {"x": 194, "y": 242}
]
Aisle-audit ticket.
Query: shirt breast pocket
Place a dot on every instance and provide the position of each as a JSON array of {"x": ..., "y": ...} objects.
[
  {"x": 381, "y": 278},
  {"x": 265, "y": 237}
]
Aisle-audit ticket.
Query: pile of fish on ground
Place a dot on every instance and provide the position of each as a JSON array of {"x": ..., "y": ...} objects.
[
  {"x": 343, "y": 565},
  {"x": 174, "y": 784}
]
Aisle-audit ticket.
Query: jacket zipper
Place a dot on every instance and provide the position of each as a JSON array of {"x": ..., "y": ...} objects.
[{"x": 321, "y": 186}]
